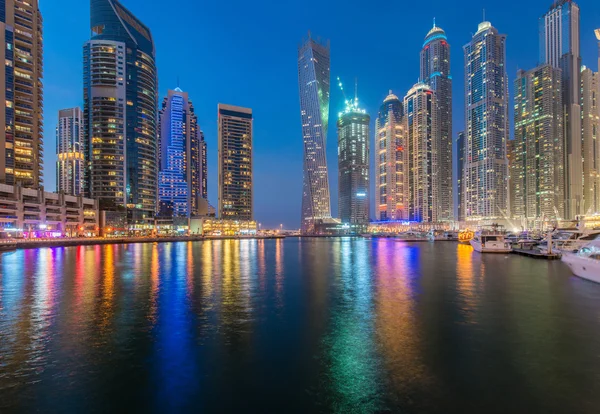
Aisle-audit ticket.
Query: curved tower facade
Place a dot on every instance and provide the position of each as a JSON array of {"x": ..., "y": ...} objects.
[
  {"x": 435, "y": 72},
  {"x": 389, "y": 158},
  {"x": 120, "y": 111},
  {"x": 313, "y": 82},
  {"x": 422, "y": 137}
]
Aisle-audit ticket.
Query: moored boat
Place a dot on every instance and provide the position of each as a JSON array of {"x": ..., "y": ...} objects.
[
  {"x": 465, "y": 236},
  {"x": 491, "y": 241},
  {"x": 586, "y": 262}
]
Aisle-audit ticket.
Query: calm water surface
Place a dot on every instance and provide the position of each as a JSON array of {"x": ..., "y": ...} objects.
[{"x": 316, "y": 325}]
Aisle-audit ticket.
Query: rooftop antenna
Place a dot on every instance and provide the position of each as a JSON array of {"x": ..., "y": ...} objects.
[
  {"x": 434, "y": 22},
  {"x": 355, "y": 89},
  {"x": 484, "y": 15},
  {"x": 178, "y": 81}
]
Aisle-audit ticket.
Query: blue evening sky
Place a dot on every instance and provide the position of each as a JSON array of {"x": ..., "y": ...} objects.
[{"x": 245, "y": 53}]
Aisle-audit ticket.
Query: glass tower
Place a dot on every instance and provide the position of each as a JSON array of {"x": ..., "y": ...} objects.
[
  {"x": 435, "y": 72},
  {"x": 353, "y": 165},
  {"x": 180, "y": 182},
  {"x": 313, "y": 81},
  {"x": 486, "y": 119},
  {"x": 69, "y": 151},
  {"x": 559, "y": 47},
  {"x": 235, "y": 163},
  {"x": 120, "y": 110},
  {"x": 536, "y": 161},
  {"x": 421, "y": 138},
  {"x": 21, "y": 117},
  {"x": 390, "y": 195}
]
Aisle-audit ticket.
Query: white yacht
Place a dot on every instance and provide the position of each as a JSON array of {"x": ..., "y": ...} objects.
[
  {"x": 443, "y": 235},
  {"x": 412, "y": 236},
  {"x": 491, "y": 241},
  {"x": 586, "y": 262},
  {"x": 571, "y": 240}
]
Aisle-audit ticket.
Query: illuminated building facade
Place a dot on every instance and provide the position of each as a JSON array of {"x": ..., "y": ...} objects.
[
  {"x": 203, "y": 168},
  {"x": 182, "y": 156},
  {"x": 353, "y": 165},
  {"x": 590, "y": 111},
  {"x": 235, "y": 163},
  {"x": 390, "y": 194},
  {"x": 421, "y": 139},
  {"x": 313, "y": 82},
  {"x": 31, "y": 213},
  {"x": 69, "y": 151},
  {"x": 486, "y": 119},
  {"x": 435, "y": 72},
  {"x": 21, "y": 119},
  {"x": 560, "y": 47},
  {"x": 218, "y": 227},
  {"x": 120, "y": 107},
  {"x": 460, "y": 166},
  {"x": 537, "y": 156}
]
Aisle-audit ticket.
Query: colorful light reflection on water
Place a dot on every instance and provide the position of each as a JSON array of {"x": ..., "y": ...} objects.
[{"x": 320, "y": 325}]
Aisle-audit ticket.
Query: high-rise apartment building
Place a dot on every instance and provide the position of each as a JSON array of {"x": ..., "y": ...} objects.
[
  {"x": 182, "y": 153},
  {"x": 203, "y": 167},
  {"x": 537, "y": 158},
  {"x": 590, "y": 124},
  {"x": 460, "y": 166},
  {"x": 313, "y": 82},
  {"x": 421, "y": 136},
  {"x": 21, "y": 119},
  {"x": 235, "y": 163},
  {"x": 486, "y": 120},
  {"x": 559, "y": 47},
  {"x": 69, "y": 152},
  {"x": 435, "y": 72},
  {"x": 120, "y": 112},
  {"x": 353, "y": 165},
  {"x": 390, "y": 194}
]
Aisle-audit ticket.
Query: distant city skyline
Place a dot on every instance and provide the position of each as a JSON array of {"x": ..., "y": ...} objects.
[{"x": 277, "y": 132}]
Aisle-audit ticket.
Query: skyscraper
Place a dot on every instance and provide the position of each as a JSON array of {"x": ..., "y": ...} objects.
[
  {"x": 21, "y": 119},
  {"x": 590, "y": 111},
  {"x": 559, "y": 47},
  {"x": 537, "y": 167},
  {"x": 421, "y": 136},
  {"x": 204, "y": 167},
  {"x": 460, "y": 166},
  {"x": 313, "y": 82},
  {"x": 486, "y": 120},
  {"x": 69, "y": 151},
  {"x": 353, "y": 164},
  {"x": 391, "y": 197},
  {"x": 597, "y": 33},
  {"x": 180, "y": 183},
  {"x": 120, "y": 107},
  {"x": 235, "y": 163},
  {"x": 435, "y": 72}
]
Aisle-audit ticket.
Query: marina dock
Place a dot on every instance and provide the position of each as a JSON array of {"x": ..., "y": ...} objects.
[{"x": 537, "y": 254}]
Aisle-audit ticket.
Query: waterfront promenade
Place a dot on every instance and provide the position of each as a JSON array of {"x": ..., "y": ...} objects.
[{"x": 91, "y": 241}]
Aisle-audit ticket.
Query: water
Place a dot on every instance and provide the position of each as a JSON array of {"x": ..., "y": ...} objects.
[{"x": 317, "y": 325}]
